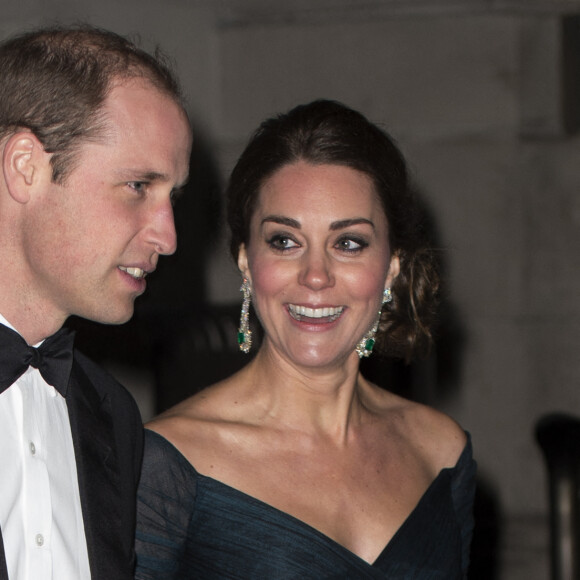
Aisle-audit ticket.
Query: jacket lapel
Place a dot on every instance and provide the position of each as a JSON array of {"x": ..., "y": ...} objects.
[{"x": 98, "y": 475}]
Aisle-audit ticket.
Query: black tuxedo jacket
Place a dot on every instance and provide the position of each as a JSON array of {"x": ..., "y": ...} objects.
[{"x": 108, "y": 441}]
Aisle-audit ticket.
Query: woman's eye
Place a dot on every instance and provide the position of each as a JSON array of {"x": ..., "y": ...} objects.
[
  {"x": 351, "y": 245},
  {"x": 280, "y": 242}
]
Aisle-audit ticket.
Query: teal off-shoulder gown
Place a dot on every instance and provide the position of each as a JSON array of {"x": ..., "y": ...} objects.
[{"x": 190, "y": 526}]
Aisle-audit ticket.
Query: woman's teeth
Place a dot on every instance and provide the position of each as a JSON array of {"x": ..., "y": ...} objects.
[{"x": 300, "y": 312}]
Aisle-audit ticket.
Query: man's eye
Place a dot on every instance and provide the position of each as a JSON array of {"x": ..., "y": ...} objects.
[{"x": 138, "y": 186}]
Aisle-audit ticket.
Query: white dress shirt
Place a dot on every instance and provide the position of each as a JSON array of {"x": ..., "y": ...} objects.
[{"x": 40, "y": 509}]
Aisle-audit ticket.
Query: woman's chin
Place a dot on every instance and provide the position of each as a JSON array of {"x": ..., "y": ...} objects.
[{"x": 318, "y": 357}]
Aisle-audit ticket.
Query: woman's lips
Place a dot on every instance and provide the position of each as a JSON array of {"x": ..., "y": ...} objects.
[{"x": 315, "y": 315}]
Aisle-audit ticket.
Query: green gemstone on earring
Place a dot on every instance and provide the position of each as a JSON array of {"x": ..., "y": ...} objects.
[
  {"x": 369, "y": 344},
  {"x": 241, "y": 338}
]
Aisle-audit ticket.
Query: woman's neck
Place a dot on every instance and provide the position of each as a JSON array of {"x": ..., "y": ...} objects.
[{"x": 326, "y": 401}]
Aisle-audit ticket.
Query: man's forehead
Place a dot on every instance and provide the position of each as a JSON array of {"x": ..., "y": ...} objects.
[
  {"x": 139, "y": 102},
  {"x": 143, "y": 85}
]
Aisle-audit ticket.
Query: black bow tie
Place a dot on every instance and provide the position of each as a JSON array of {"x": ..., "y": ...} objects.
[{"x": 53, "y": 358}]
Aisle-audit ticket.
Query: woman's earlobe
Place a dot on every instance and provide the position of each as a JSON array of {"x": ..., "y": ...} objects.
[
  {"x": 243, "y": 261},
  {"x": 394, "y": 269}
]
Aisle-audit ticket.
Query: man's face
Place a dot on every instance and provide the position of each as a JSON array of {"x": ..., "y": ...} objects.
[{"x": 90, "y": 241}]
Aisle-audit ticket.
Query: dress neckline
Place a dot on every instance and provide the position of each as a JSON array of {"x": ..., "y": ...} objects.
[{"x": 211, "y": 482}]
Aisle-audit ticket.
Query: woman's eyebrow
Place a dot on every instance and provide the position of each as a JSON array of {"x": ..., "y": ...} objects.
[
  {"x": 282, "y": 220},
  {"x": 337, "y": 225},
  {"x": 341, "y": 224}
]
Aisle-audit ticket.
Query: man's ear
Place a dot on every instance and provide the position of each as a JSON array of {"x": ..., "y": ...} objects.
[
  {"x": 243, "y": 262},
  {"x": 24, "y": 162}
]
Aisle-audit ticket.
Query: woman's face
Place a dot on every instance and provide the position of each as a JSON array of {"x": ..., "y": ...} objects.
[{"x": 318, "y": 261}]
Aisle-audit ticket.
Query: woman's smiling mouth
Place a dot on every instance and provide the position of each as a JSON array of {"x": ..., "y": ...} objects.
[{"x": 326, "y": 314}]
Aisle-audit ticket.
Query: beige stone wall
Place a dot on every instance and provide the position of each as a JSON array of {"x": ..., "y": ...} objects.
[{"x": 474, "y": 95}]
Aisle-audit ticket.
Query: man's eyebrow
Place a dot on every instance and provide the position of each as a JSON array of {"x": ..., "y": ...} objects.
[
  {"x": 282, "y": 220},
  {"x": 138, "y": 175},
  {"x": 341, "y": 224}
]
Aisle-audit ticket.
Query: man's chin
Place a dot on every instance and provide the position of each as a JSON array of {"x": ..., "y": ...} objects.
[{"x": 113, "y": 318}]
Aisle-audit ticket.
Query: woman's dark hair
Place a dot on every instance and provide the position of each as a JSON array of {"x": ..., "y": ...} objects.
[
  {"x": 327, "y": 132},
  {"x": 54, "y": 82}
]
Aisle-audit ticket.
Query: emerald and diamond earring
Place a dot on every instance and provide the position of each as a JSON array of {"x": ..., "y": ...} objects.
[
  {"x": 244, "y": 332},
  {"x": 365, "y": 346}
]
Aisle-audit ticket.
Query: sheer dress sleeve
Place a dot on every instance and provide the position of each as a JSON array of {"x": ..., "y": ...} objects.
[{"x": 165, "y": 505}]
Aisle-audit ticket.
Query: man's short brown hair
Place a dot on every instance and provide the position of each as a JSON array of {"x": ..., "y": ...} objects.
[{"x": 54, "y": 82}]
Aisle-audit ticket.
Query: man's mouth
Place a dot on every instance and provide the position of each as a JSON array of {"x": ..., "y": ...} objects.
[
  {"x": 136, "y": 273},
  {"x": 326, "y": 314}
]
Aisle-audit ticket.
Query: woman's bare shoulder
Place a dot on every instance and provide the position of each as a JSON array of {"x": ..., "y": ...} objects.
[
  {"x": 441, "y": 436},
  {"x": 438, "y": 437},
  {"x": 200, "y": 425}
]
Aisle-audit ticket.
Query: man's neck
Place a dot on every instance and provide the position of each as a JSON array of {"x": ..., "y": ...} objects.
[{"x": 32, "y": 334}]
